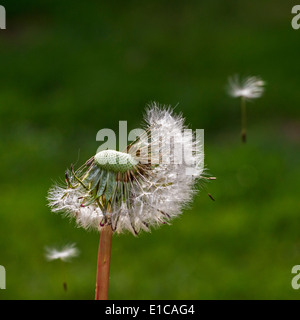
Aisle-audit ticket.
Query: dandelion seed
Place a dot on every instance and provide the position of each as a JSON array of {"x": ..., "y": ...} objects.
[
  {"x": 247, "y": 89},
  {"x": 65, "y": 254}
]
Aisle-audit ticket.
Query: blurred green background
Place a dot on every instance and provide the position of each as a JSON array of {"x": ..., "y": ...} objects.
[{"x": 71, "y": 68}]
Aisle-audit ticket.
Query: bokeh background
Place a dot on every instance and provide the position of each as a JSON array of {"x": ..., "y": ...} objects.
[{"x": 71, "y": 68}]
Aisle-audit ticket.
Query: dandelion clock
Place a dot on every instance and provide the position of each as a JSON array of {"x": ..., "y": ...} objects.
[{"x": 140, "y": 188}]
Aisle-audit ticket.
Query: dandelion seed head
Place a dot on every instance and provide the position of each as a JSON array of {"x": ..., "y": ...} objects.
[{"x": 146, "y": 185}]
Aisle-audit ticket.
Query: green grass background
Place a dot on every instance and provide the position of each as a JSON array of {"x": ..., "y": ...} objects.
[{"x": 71, "y": 68}]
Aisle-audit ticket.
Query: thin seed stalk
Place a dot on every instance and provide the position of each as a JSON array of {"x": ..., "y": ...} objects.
[
  {"x": 65, "y": 286},
  {"x": 244, "y": 120},
  {"x": 103, "y": 265}
]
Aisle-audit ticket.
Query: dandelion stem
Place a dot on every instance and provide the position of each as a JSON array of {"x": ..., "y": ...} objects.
[
  {"x": 244, "y": 120},
  {"x": 103, "y": 265}
]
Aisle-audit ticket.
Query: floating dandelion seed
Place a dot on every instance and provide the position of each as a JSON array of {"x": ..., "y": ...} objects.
[
  {"x": 146, "y": 185},
  {"x": 65, "y": 254},
  {"x": 247, "y": 89}
]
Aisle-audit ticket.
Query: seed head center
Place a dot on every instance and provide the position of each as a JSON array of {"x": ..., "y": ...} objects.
[{"x": 115, "y": 161}]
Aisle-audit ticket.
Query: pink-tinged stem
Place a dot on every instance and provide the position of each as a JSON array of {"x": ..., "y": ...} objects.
[{"x": 103, "y": 265}]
